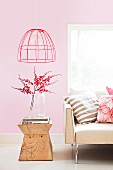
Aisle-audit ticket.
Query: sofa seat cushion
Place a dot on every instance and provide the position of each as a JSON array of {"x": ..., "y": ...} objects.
[{"x": 94, "y": 133}]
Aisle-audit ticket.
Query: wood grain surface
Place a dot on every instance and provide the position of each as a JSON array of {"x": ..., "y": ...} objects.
[{"x": 36, "y": 142}]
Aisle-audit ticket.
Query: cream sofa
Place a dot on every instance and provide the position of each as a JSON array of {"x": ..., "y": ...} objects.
[{"x": 93, "y": 133}]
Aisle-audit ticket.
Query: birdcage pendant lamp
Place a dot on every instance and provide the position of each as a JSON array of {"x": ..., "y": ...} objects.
[{"x": 36, "y": 46}]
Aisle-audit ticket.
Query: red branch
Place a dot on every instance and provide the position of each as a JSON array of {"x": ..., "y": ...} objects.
[{"x": 40, "y": 83}]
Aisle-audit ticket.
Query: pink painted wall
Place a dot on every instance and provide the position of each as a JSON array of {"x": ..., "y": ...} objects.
[{"x": 16, "y": 18}]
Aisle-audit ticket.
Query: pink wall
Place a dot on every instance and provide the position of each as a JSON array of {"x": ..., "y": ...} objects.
[{"x": 16, "y": 18}]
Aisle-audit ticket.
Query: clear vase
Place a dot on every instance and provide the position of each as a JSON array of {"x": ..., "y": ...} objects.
[
  {"x": 39, "y": 104},
  {"x": 32, "y": 107}
]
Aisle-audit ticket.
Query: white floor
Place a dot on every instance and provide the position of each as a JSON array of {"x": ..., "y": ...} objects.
[{"x": 91, "y": 157}]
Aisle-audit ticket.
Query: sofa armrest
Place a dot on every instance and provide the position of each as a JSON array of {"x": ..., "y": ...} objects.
[{"x": 69, "y": 124}]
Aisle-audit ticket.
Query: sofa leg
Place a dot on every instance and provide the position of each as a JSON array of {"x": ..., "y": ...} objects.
[
  {"x": 76, "y": 153},
  {"x": 72, "y": 150}
]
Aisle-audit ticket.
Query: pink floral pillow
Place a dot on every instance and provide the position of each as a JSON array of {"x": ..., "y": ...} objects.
[
  {"x": 109, "y": 90},
  {"x": 105, "y": 111}
]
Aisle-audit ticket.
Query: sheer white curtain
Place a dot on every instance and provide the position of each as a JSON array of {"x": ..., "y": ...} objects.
[{"x": 90, "y": 57}]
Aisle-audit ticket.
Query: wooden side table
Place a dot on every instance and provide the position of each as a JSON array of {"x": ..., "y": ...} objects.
[{"x": 36, "y": 142}]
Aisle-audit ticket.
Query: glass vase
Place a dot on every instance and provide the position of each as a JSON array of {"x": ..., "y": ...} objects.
[
  {"x": 39, "y": 104},
  {"x": 31, "y": 107}
]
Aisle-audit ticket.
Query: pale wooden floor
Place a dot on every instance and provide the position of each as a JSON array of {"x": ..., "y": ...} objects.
[{"x": 91, "y": 157}]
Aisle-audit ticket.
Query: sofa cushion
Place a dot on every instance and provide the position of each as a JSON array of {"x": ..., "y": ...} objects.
[
  {"x": 105, "y": 111},
  {"x": 94, "y": 133},
  {"x": 85, "y": 106},
  {"x": 109, "y": 90}
]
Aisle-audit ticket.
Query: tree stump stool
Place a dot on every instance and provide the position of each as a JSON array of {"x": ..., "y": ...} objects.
[{"x": 36, "y": 142}]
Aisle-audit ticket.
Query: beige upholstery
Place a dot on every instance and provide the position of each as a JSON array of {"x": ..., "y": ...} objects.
[
  {"x": 93, "y": 133},
  {"x": 69, "y": 124}
]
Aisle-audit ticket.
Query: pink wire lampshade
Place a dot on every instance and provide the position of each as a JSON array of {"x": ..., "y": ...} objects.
[{"x": 36, "y": 46}]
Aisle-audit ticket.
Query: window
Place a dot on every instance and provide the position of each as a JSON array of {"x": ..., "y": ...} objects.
[{"x": 90, "y": 56}]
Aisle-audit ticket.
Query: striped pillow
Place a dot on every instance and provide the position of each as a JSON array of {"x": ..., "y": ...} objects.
[{"x": 85, "y": 106}]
